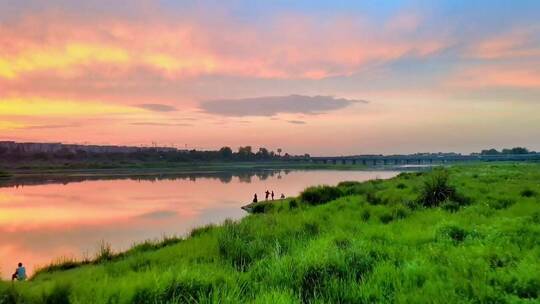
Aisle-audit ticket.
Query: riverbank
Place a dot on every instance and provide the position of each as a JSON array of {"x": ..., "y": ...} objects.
[
  {"x": 166, "y": 167},
  {"x": 470, "y": 234}
]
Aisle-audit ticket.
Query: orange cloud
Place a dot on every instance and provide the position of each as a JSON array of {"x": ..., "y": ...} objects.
[
  {"x": 59, "y": 58},
  {"x": 62, "y": 108}
]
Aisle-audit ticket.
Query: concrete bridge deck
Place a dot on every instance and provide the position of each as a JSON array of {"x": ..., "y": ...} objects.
[{"x": 420, "y": 159}]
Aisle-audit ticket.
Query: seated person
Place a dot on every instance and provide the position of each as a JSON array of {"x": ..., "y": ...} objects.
[{"x": 20, "y": 273}]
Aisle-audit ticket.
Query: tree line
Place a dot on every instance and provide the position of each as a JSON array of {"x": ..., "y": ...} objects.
[
  {"x": 245, "y": 153},
  {"x": 515, "y": 150}
]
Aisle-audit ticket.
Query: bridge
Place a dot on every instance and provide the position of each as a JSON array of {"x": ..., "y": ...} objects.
[{"x": 421, "y": 159}]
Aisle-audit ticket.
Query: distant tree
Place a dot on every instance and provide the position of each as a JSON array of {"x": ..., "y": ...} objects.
[
  {"x": 263, "y": 153},
  {"x": 490, "y": 152},
  {"x": 516, "y": 150},
  {"x": 520, "y": 150},
  {"x": 226, "y": 152},
  {"x": 245, "y": 153},
  {"x": 279, "y": 151}
]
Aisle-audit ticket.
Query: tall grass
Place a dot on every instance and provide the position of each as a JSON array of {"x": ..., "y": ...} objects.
[
  {"x": 372, "y": 242},
  {"x": 437, "y": 190}
]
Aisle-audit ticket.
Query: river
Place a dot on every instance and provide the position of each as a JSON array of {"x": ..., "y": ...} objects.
[{"x": 46, "y": 218}]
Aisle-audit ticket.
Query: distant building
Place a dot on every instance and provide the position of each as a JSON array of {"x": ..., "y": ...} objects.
[{"x": 50, "y": 148}]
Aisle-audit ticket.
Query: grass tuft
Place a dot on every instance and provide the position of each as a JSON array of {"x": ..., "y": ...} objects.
[{"x": 320, "y": 195}]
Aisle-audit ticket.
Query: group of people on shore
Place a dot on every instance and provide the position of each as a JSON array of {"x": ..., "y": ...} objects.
[{"x": 268, "y": 195}]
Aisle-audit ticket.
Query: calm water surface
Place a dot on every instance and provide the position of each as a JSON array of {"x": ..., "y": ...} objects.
[{"x": 43, "y": 219}]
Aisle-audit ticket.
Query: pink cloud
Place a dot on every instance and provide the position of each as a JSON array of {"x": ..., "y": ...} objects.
[
  {"x": 496, "y": 76},
  {"x": 293, "y": 47},
  {"x": 514, "y": 44}
]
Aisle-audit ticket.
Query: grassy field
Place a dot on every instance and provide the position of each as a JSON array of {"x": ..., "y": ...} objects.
[{"x": 468, "y": 234}]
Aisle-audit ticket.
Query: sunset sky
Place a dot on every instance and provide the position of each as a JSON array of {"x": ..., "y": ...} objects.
[{"x": 319, "y": 77}]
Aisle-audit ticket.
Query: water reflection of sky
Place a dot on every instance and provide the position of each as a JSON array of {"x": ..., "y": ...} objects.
[{"x": 70, "y": 216}]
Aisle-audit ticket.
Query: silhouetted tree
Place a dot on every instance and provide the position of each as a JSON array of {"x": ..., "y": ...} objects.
[
  {"x": 226, "y": 152},
  {"x": 263, "y": 153},
  {"x": 490, "y": 152},
  {"x": 245, "y": 153}
]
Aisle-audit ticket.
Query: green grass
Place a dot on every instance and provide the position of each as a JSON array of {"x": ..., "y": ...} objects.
[{"x": 372, "y": 242}]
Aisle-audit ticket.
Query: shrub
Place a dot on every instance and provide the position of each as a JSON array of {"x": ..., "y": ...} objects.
[
  {"x": 372, "y": 198},
  {"x": 437, "y": 189},
  {"x": 60, "y": 265},
  {"x": 153, "y": 245},
  {"x": 365, "y": 215},
  {"x": 502, "y": 203},
  {"x": 105, "y": 253},
  {"x": 348, "y": 184},
  {"x": 240, "y": 246},
  {"x": 401, "y": 186},
  {"x": 527, "y": 289},
  {"x": 311, "y": 228},
  {"x": 58, "y": 295},
  {"x": 317, "y": 279},
  {"x": 412, "y": 204},
  {"x": 320, "y": 195},
  {"x": 450, "y": 206},
  {"x": 453, "y": 232},
  {"x": 201, "y": 230},
  {"x": 185, "y": 292},
  {"x": 400, "y": 213},
  {"x": 352, "y": 188},
  {"x": 293, "y": 204},
  {"x": 342, "y": 242},
  {"x": 405, "y": 175},
  {"x": 10, "y": 295},
  {"x": 386, "y": 218},
  {"x": 262, "y": 207},
  {"x": 527, "y": 193}
]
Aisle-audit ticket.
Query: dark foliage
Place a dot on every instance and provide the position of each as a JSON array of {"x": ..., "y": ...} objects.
[
  {"x": 453, "y": 232},
  {"x": 527, "y": 193},
  {"x": 320, "y": 195},
  {"x": 58, "y": 295},
  {"x": 437, "y": 189},
  {"x": 293, "y": 204}
]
